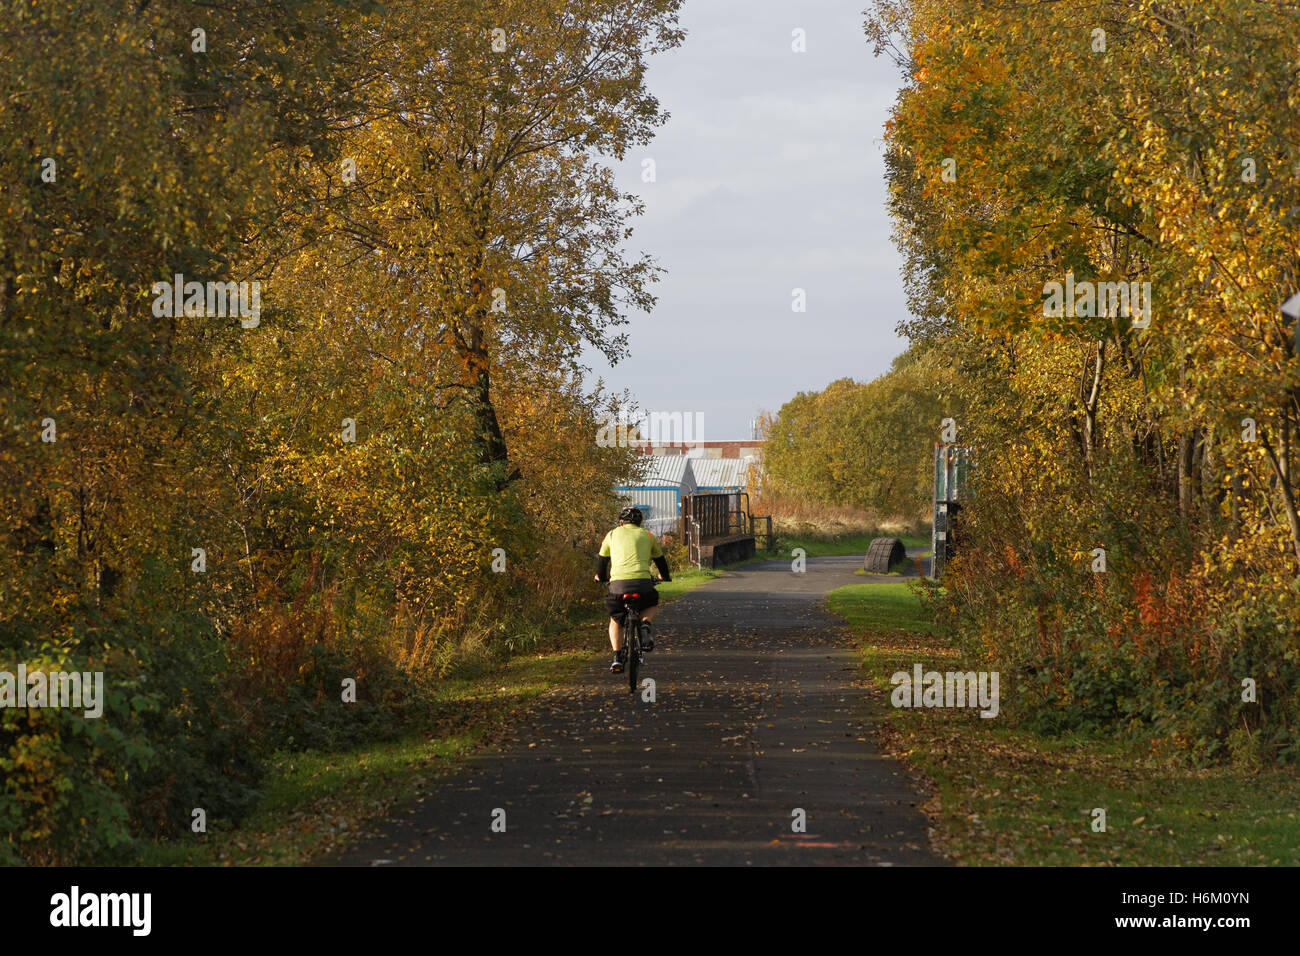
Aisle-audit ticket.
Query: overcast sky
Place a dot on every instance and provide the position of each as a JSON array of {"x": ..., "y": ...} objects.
[{"x": 769, "y": 178}]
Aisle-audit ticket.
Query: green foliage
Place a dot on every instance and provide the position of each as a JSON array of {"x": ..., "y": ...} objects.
[
  {"x": 170, "y": 738},
  {"x": 866, "y": 445}
]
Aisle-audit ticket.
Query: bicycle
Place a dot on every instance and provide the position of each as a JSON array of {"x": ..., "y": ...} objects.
[{"x": 631, "y": 637}]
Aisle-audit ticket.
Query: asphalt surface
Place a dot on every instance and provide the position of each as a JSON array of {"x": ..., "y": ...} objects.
[{"x": 758, "y": 712}]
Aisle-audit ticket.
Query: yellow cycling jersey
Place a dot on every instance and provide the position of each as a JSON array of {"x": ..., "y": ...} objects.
[{"x": 630, "y": 550}]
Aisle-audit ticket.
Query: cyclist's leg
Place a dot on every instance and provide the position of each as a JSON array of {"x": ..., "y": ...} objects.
[
  {"x": 650, "y": 605},
  {"x": 616, "y": 642},
  {"x": 648, "y": 612},
  {"x": 614, "y": 607}
]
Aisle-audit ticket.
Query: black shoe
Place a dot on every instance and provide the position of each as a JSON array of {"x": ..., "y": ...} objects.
[
  {"x": 647, "y": 642},
  {"x": 619, "y": 657}
]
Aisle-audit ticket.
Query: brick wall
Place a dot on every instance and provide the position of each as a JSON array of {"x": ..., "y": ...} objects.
[{"x": 703, "y": 449}]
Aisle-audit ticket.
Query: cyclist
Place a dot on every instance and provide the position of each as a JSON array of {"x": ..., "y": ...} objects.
[{"x": 625, "y": 554}]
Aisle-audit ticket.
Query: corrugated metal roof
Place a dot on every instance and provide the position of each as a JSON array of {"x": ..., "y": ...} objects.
[
  {"x": 657, "y": 505},
  {"x": 673, "y": 470},
  {"x": 721, "y": 472}
]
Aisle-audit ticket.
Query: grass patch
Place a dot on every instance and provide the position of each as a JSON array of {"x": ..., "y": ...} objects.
[
  {"x": 316, "y": 801},
  {"x": 849, "y": 544},
  {"x": 1003, "y": 795},
  {"x": 683, "y": 581},
  {"x": 880, "y": 605},
  {"x": 829, "y": 547}
]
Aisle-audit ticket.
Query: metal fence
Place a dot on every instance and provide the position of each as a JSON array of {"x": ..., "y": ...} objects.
[
  {"x": 711, "y": 516},
  {"x": 760, "y": 526}
]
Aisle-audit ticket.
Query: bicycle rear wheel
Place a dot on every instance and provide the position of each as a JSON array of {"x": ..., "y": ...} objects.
[{"x": 632, "y": 641}]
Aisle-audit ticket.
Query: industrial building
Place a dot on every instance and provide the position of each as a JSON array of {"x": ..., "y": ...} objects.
[
  {"x": 722, "y": 475},
  {"x": 659, "y": 494}
]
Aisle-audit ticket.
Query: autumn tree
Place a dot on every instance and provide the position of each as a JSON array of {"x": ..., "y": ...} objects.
[
  {"x": 225, "y": 515},
  {"x": 1089, "y": 145},
  {"x": 865, "y": 444}
]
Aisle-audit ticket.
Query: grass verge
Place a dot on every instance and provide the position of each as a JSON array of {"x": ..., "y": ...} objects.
[
  {"x": 315, "y": 801},
  {"x": 848, "y": 544},
  {"x": 827, "y": 547},
  {"x": 1002, "y": 795}
]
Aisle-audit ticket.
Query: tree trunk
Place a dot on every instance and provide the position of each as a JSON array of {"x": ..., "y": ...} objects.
[
  {"x": 1186, "y": 446},
  {"x": 1091, "y": 400},
  {"x": 1235, "y": 503},
  {"x": 1281, "y": 472},
  {"x": 478, "y": 363},
  {"x": 1211, "y": 486}
]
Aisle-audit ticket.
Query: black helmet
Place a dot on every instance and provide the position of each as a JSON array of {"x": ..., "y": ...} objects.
[{"x": 632, "y": 515}]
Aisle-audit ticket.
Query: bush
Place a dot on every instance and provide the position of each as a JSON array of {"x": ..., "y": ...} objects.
[{"x": 84, "y": 789}]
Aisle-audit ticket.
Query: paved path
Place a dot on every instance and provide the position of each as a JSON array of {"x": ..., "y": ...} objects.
[{"x": 759, "y": 711}]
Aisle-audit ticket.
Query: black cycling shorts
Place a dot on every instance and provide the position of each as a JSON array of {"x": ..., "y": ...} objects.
[{"x": 614, "y": 599}]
